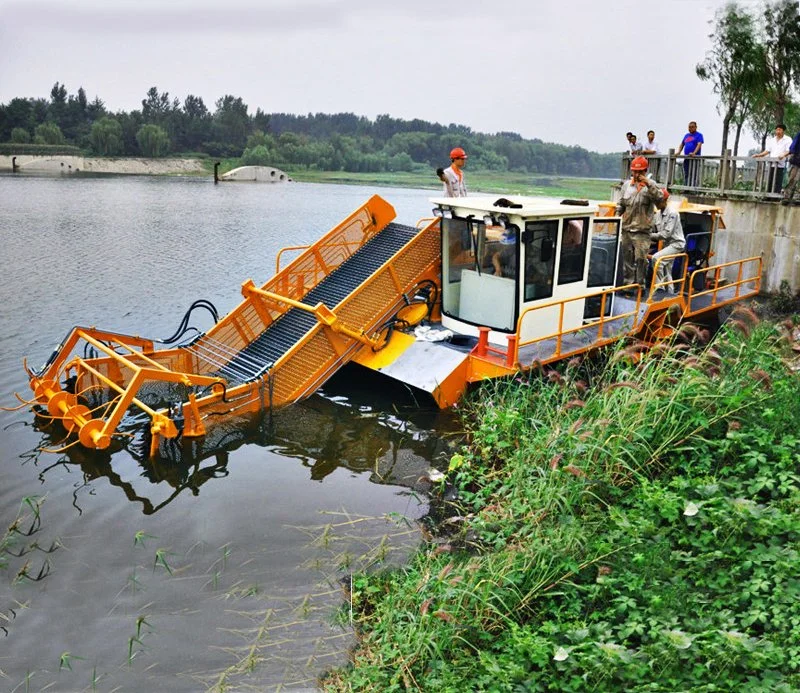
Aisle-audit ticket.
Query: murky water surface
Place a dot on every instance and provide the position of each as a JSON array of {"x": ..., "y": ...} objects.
[{"x": 224, "y": 569}]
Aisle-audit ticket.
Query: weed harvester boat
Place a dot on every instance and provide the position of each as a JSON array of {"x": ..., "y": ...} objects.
[{"x": 485, "y": 288}]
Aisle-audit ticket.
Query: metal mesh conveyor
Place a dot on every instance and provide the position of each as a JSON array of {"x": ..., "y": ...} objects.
[
  {"x": 276, "y": 347},
  {"x": 279, "y": 337}
]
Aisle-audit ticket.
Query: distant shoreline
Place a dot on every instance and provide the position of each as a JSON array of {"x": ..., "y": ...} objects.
[{"x": 501, "y": 182}]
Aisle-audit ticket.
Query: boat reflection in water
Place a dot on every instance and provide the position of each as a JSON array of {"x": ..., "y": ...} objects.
[{"x": 371, "y": 429}]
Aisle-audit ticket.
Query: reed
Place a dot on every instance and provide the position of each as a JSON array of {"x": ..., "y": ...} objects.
[{"x": 587, "y": 500}]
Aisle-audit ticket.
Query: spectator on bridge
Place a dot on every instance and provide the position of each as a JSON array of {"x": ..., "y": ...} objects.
[
  {"x": 634, "y": 146},
  {"x": 778, "y": 148},
  {"x": 650, "y": 146},
  {"x": 794, "y": 174},
  {"x": 691, "y": 145}
]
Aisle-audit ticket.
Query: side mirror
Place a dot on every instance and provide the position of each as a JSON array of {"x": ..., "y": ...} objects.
[{"x": 547, "y": 250}]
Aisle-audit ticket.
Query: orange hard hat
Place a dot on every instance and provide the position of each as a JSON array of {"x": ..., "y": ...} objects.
[
  {"x": 666, "y": 194},
  {"x": 458, "y": 153},
  {"x": 639, "y": 164}
]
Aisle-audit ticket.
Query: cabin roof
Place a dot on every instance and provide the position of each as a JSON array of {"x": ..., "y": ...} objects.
[{"x": 531, "y": 206}]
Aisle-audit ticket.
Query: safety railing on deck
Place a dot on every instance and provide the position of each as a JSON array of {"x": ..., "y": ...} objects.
[
  {"x": 675, "y": 284},
  {"x": 562, "y": 342},
  {"x": 718, "y": 289},
  {"x": 741, "y": 176}
]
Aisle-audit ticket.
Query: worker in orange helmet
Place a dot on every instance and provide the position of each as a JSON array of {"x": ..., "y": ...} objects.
[
  {"x": 453, "y": 179},
  {"x": 636, "y": 203}
]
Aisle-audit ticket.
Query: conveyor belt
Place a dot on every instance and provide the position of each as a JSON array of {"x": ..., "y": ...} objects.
[{"x": 252, "y": 361}]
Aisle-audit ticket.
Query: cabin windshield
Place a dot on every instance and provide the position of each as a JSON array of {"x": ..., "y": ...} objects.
[{"x": 479, "y": 272}]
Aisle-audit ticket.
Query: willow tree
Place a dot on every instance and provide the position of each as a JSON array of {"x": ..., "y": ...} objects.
[
  {"x": 734, "y": 66},
  {"x": 153, "y": 141},
  {"x": 781, "y": 21}
]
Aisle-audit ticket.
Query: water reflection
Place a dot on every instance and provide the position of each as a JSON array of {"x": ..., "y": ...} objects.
[{"x": 353, "y": 424}]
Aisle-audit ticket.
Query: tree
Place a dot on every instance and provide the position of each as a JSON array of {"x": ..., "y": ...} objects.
[
  {"x": 58, "y": 103},
  {"x": 106, "y": 137},
  {"x": 231, "y": 122},
  {"x": 18, "y": 113},
  {"x": 195, "y": 125},
  {"x": 48, "y": 133},
  {"x": 156, "y": 108},
  {"x": 781, "y": 53},
  {"x": 153, "y": 141},
  {"x": 20, "y": 136},
  {"x": 733, "y": 65}
]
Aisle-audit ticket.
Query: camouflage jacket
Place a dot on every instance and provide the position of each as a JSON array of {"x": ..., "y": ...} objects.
[{"x": 636, "y": 205}]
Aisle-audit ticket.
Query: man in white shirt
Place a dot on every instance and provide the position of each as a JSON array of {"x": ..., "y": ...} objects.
[
  {"x": 778, "y": 148},
  {"x": 634, "y": 146},
  {"x": 650, "y": 147}
]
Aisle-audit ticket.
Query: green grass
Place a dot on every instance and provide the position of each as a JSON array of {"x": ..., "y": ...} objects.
[
  {"x": 628, "y": 524},
  {"x": 504, "y": 182},
  {"x": 501, "y": 182}
]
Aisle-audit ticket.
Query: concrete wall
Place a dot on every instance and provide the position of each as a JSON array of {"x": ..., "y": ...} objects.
[{"x": 768, "y": 229}]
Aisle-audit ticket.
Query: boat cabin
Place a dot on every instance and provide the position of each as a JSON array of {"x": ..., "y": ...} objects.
[{"x": 502, "y": 256}]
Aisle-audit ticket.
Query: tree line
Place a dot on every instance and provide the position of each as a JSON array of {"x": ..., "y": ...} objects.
[
  {"x": 332, "y": 142},
  {"x": 753, "y": 67}
]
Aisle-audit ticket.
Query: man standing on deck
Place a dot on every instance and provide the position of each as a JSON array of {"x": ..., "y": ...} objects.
[
  {"x": 454, "y": 184},
  {"x": 635, "y": 206}
]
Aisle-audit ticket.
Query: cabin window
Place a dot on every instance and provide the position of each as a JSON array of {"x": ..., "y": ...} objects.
[
  {"x": 573, "y": 250},
  {"x": 540, "y": 258},
  {"x": 479, "y": 272},
  {"x": 603, "y": 258}
]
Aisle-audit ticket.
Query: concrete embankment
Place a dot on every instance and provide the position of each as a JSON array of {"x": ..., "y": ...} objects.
[
  {"x": 768, "y": 229},
  {"x": 28, "y": 163}
]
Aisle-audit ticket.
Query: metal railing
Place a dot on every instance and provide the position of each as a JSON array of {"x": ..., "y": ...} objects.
[{"x": 734, "y": 176}]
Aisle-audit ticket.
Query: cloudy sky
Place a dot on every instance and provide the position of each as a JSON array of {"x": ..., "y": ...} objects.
[{"x": 579, "y": 72}]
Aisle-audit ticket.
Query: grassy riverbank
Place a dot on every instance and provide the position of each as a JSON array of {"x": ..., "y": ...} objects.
[
  {"x": 631, "y": 525},
  {"x": 505, "y": 182}
]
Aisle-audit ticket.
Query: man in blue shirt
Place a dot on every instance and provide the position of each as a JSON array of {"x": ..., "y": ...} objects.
[
  {"x": 794, "y": 174},
  {"x": 690, "y": 146}
]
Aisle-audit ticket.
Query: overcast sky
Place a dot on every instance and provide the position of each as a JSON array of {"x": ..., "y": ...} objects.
[{"x": 582, "y": 72}]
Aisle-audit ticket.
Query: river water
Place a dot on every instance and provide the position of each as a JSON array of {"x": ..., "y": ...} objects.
[{"x": 223, "y": 571}]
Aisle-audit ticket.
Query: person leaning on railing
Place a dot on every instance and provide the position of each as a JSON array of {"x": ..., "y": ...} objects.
[
  {"x": 794, "y": 174},
  {"x": 778, "y": 148},
  {"x": 691, "y": 146}
]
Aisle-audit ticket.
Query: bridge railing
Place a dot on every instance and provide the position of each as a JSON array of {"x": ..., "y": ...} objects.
[{"x": 734, "y": 176}]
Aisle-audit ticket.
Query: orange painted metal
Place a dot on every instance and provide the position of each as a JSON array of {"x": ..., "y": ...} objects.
[{"x": 127, "y": 362}]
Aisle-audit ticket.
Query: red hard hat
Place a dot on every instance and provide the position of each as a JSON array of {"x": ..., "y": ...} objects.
[
  {"x": 666, "y": 194},
  {"x": 458, "y": 153},
  {"x": 639, "y": 164}
]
